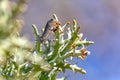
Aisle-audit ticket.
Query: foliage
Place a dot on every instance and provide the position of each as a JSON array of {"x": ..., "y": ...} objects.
[{"x": 19, "y": 60}]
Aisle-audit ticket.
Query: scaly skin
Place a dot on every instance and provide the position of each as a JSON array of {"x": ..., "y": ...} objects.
[{"x": 49, "y": 27}]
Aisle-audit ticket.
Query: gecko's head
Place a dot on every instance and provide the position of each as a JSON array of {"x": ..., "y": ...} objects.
[{"x": 53, "y": 24}]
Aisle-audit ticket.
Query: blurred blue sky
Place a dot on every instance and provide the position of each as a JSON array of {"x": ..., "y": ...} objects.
[{"x": 100, "y": 22}]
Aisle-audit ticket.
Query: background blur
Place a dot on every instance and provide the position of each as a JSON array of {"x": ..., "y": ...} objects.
[{"x": 100, "y": 22}]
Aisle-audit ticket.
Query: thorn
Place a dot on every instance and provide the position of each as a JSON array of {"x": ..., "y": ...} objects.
[
  {"x": 68, "y": 23},
  {"x": 74, "y": 22}
]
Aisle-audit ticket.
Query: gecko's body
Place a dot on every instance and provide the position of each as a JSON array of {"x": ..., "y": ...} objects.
[{"x": 49, "y": 27}]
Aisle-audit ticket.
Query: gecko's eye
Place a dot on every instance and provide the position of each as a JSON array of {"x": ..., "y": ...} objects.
[{"x": 51, "y": 19}]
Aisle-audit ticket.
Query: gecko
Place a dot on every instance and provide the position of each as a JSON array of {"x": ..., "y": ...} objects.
[{"x": 48, "y": 28}]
